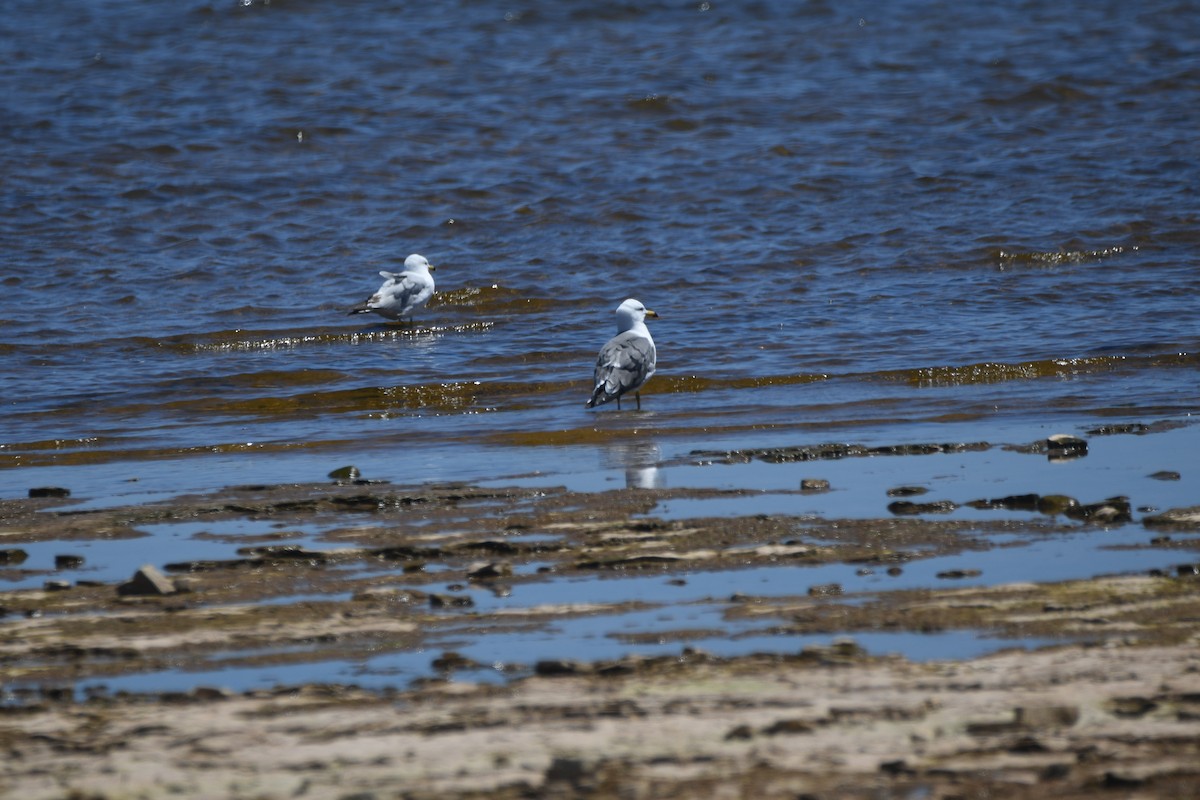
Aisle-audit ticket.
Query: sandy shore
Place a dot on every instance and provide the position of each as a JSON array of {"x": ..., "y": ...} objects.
[{"x": 1113, "y": 709}]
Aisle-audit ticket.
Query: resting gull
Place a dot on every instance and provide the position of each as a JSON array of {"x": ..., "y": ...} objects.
[
  {"x": 402, "y": 293},
  {"x": 627, "y": 360}
]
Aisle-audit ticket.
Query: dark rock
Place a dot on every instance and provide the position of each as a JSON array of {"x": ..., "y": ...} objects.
[
  {"x": 814, "y": 485},
  {"x": 1112, "y": 510},
  {"x": 283, "y": 552},
  {"x": 483, "y": 570},
  {"x": 566, "y": 770},
  {"x": 1188, "y": 517},
  {"x": 825, "y": 590},
  {"x": 391, "y": 594},
  {"x": 550, "y": 667},
  {"x": 213, "y": 565},
  {"x": 897, "y": 767},
  {"x": 405, "y": 553},
  {"x": 147, "y": 581},
  {"x": 1050, "y": 716},
  {"x": 1166, "y": 475},
  {"x": 740, "y": 733},
  {"x": 1131, "y": 707},
  {"x": 68, "y": 562},
  {"x": 1062, "y": 446},
  {"x": 1110, "y": 430},
  {"x": 344, "y": 474},
  {"x": 1027, "y": 744},
  {"x": 1122, "y": 780},
  {"x": 1056, "y": 504},
  {"x": 450, "y": 660},
  {"x": 956, "y": 574},
  {"x": 1015, "y": 502},
  {"x": 788, "y": 726},
  {"x": 49, "y": 491},
  {"x": 13, "y": 555},
  {"x": 56, "y": 586},
  {"x": 450, "y": 601},
  {"x": 907, "y": 491},
  {"x": 908, "y": 508},
  {"x": 497, "y": 546},
  {"x": 1055, "y": 772}
]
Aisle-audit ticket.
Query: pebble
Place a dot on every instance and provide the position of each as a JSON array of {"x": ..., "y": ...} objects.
[
  {"x": 147, "y": 581},
  {"x": 49, "y": 491}
]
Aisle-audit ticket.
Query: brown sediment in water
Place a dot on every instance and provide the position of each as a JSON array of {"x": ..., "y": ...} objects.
[{"x": 1114, "y": 703}]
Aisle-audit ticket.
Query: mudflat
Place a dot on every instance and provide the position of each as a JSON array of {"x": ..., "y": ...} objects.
[{"x": 1090, "y": 686}]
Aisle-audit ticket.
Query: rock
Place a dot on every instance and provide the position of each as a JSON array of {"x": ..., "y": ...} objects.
[
  {"x": 391, "y": 594},
  {"x": 450, "y": 660},
  {"x": 1046, "y": 716},
  {"x": 147, "y": 581},
  {"x": 897, "y": 767},
  {"x": 1047, "y": 504},
  {"x": 1114, "y": 509},
  {"x": 1062, "y": 446},
  {"x": 1015, "y": 502},
  {"x": 956, "y": 574},
  {"x": 908, "y": 508},
  {"x": 450, "y": 601},
  {"x": 344, "y": 474},
  {"x": 68, "y": 562},
  {"x": 814, "y": 485},
  {"x": 49, "y": 491},
  {"x": 13, "y": 555},
  {"x": 788, "y": 726},
  {"x": 1056, "y": 504},
  {"x": 482, "y": 570},
  {"x": 1165, "y": 475},
  {"x": 283, "y": 552},
  {"x": 740, "y": 733},
  {"x": 551, "y": 667},
  {"x": 1188, "y": 517},
  {"x": 1131, "y": 707},
  {"x": 906, "y": 491},
  {"x": 566, "y": 770},
  {"x": 825, "y": 590},
  {"x": 56, "y": 586}
]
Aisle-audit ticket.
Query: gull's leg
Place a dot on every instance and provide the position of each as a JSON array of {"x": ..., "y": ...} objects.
[{"x": 638, "y": 395}]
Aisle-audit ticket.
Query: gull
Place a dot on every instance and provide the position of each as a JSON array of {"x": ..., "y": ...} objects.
[
  {"x": 627, "y": 360},
  {"x": 402, "y": 292}
]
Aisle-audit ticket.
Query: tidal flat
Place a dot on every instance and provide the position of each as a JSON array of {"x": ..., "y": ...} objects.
[{"x": 530, "y": 638}]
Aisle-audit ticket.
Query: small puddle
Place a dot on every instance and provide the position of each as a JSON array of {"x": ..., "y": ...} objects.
[
  {"x": 590, "y": 638},
  {"x": 115, "y": 560}
]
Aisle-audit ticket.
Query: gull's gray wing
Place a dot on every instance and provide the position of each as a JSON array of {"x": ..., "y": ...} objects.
[
  {"x": 624, "y": 364},
  {"x": 405, "y": 292}
]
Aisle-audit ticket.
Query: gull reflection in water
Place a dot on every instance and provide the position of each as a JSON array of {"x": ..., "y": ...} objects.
[{"x": 640, "y": 461}]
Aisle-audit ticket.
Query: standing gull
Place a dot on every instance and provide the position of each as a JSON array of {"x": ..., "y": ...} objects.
[
  {"x": 627, "y": 360},
  {"x": 402, "y": 293}
]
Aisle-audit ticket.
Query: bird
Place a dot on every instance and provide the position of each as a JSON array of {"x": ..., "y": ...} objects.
[
  {"x": 402, "y": 293},
  {"x": 627, "y": 360}
]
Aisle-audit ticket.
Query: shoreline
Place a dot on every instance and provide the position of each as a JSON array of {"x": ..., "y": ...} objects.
[{"x": 463, "y": 640}]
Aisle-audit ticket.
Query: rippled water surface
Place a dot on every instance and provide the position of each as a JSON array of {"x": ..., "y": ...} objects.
[{"x": 855, "y": 220}]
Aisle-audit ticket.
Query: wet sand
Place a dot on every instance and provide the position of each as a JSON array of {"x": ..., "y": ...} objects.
[{"x": 1110, "y": 701}]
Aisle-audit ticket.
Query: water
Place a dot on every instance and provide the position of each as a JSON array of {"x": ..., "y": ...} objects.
[
  {"x": 844, "y": 214},
  {"x": 878, "y": 223}
]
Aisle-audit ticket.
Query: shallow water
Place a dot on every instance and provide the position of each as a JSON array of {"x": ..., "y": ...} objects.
[{"x": 846, "y": 217}]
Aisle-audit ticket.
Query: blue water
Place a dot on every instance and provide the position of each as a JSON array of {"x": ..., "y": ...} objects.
[{"x": 846, "y": 215}]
